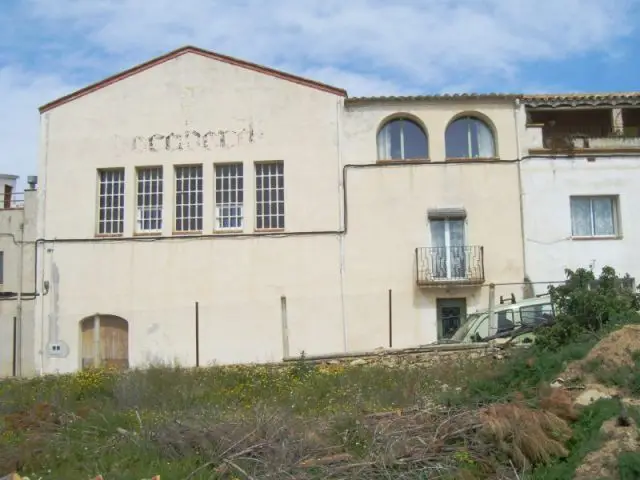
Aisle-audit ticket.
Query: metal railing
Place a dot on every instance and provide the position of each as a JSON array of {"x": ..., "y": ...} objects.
[
  {"x": 14, "y": 200},
  {"x": 450, "y": 265},
  {"x": 588, "y": 131}
]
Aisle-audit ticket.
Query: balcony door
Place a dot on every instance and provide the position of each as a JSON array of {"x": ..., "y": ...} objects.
[{"x": 448, "y": 240}]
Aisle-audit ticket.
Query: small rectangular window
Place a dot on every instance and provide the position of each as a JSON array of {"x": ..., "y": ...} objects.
[
  {"x": 149, "y": 199},
  {"x": 595, "y": 216},
  {"x": 111, "y": 201},
  {"x": 269, "y": 195},
  {"x": 229, "y": 196},
  {"x": 189, "y": 198},
  {"x": 1, "y": 268}
]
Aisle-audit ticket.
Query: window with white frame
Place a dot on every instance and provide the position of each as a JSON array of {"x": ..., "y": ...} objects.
[
  {"x": 269, "y": 195},
  {"x": 594, "y": 216},
  {"x": 189, "y": 198},
  {"x": 149, "y": 199},
  {"x": 111, "y": 201},
  {"x": 402, "y": 139},
  {"x": 229, "y": 196},
  {"x": 469, "y": 137}
]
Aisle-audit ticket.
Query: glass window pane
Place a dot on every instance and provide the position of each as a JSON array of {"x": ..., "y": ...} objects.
[
  {"x": 603, "y": 215},
  {"x": 580, "y": 217},
  {"x": 415, "y": 141},
  {"x": 457, "y": 139}
]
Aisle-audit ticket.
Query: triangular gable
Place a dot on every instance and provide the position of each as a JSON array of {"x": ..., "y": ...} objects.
[{"x": 199, "y": 51}]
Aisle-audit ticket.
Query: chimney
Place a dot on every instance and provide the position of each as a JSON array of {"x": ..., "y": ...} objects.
[{"x": 32, "y": 180}]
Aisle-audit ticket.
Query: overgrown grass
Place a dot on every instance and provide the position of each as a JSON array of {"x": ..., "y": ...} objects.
[
  {"x": 586, "y": 438},
  {"x": 629, "y": 465},
  {"x": 521, "y": 375},
  {"x": 123, "y": 425},
  {"x": 625, "y": 377}
]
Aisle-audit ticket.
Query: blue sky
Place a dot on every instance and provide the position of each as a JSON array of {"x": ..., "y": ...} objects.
[{"x": 370, "y": 47}]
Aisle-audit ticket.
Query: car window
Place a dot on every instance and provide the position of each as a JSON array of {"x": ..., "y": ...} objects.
[
  {"x": 536, "y": 314},
  {"x": 505, "y": 320}
]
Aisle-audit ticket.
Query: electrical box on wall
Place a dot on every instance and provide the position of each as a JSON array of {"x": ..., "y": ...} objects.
[{"x": 57, "y": 349}]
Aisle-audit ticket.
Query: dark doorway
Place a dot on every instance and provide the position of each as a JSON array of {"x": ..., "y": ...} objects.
[{"x": 451, "y": 314}]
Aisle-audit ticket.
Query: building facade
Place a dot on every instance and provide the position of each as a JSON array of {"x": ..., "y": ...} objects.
[
  {"x": 579, "y": 172},
  {"x": 232, "y": 213},
  {"x": 17, "y": 279}
]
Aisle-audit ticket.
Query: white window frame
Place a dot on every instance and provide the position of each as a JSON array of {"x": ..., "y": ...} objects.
[
  {"x": 229, "y": 196},
  {"x": 448, "y": 246},
  {"x": 614, "y": 212},
  {"x": 189, "y": 198},
  {"x": 111, "y": 187},
  {"x": 270, "y": 212},
  {"x": 149, "y": 199}
]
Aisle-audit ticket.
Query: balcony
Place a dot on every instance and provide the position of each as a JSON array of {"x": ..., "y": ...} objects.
[
  {"x": 566, "y": 131},
  {"x": 449, "y": 266},
  {"x": 12, "y": 200}
]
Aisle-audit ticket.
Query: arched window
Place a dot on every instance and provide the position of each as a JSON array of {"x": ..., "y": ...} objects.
[
  {"x": 469, "y": 137},
  {"x": 402, "y": 139}
]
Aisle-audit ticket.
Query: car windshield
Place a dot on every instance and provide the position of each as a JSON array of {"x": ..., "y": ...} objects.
[{"x": 466, "y": 326}]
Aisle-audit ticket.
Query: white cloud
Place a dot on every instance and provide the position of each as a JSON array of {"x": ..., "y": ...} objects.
[
  {"x": 422, "y": 43},
  {"x": 366, "y": 46},
  {"x": 20, "y": 96}
]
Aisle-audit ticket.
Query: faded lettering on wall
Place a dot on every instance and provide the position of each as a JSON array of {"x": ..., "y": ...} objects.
[{"x": 192, "y": 140}]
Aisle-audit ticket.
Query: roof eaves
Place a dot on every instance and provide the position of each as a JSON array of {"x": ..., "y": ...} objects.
[
  {"x": 581, "y": 99},
  {"x": 181, "y": 51},
  {"x": 435, "y": 97}
]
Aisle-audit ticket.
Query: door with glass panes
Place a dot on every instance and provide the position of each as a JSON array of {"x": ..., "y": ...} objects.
[{"x": 448, "y": 251}]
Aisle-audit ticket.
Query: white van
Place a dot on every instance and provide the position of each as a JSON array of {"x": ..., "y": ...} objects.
[{"x": 509, "y": 317}]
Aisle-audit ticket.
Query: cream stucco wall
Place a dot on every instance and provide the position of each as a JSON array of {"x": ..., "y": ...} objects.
[
  {"x": 362, "y": 123},
  {"x": 387, "y": 213},
  {"x": 336, "y": 284},
  {"x": 237, "y": 280},
  {"x": 547, "y": 185},
  {"x": 17, "y": 243},
  {"x": 388, "y": 220}
]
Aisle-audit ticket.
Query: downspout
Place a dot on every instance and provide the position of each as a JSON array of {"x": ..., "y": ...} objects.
[
  {"x": 19, "y": 303},
  {"x": 341, "y": 223},
  {"x": 42, "y": 207},
  {"x": 521, "y": 196}
]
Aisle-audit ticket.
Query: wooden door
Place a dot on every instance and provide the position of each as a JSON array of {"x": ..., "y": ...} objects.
[{"x": 109, "y": 348}]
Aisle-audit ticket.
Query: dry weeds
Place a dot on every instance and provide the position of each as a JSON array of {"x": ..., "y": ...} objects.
[{"x": 277, "y": 445}]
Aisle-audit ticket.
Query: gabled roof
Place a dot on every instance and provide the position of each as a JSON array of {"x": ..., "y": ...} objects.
[{"x": 199, "y": 51}]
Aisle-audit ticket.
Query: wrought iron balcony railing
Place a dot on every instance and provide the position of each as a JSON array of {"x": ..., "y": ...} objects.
[{"x": 450, "y": 265}]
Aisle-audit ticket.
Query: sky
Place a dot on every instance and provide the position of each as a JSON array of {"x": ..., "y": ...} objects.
[{"x": 49, "y": 48}]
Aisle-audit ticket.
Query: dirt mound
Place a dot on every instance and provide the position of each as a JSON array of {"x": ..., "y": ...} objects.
[
  {"x": 613, "y": 351},
  {"x": 601, "y": 463}
]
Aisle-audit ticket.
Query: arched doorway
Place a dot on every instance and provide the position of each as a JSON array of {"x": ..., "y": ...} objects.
[{"x": 105, "y": 342}]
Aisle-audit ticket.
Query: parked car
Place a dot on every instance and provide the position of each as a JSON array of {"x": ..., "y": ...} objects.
[{"x": 517, "y": 320}]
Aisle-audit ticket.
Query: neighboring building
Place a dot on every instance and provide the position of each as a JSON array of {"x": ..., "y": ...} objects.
[
  {"x": 17, "y": 278},
  {"x": 580, "y": 177},
  {"x": 200, "y": 196}
]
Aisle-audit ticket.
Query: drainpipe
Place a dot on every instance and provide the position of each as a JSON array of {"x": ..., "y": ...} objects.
[
  {"x": 342, "y": 222},
  {"x": 19, "y": 339},
  {"x": 493, "y": 327},
  {"x": 520, "y": 193}
]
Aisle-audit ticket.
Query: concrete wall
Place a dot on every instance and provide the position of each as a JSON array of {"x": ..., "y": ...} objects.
[
  {"x": 388, "y": 220},
  {"x": 336, "y": 286},
  {"x": 547, "y": 184},
  {"x": 237, "y": 280},
  {"x": 362, "y": 123},
  {"x": 11, "y": 238}
]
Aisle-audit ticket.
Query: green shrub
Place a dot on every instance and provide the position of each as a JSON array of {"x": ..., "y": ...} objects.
[{"x": 585, "y": 304}]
